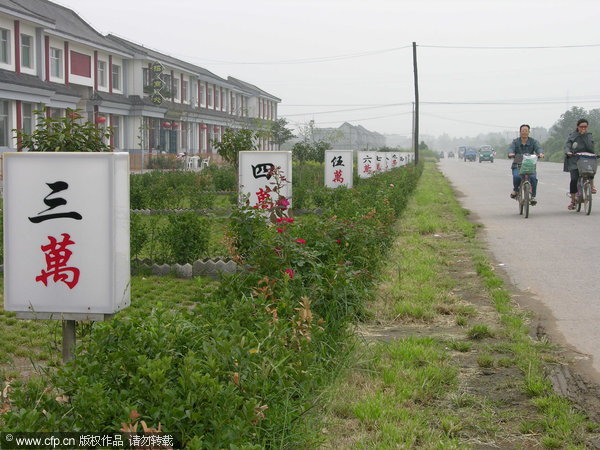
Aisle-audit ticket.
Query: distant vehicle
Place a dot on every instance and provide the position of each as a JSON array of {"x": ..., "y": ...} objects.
[
  {"x": 470, "y": 154},
  {"x": 441, "y": 154},
  {"x": 461, "y": 151},
  {"x": 450, "y": 154},
  {"x": 486, "y": 153}
]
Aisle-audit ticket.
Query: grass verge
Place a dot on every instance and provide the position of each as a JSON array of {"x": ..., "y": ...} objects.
[{"x": 446, "y": 360}]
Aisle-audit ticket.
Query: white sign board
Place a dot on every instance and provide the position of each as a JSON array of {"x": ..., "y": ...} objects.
[
  {"x": 256, "y": 180},
  {"x": 379, "y": 162},
  {"x": 388, "y": 161},
  {"x": 366, "y": 164},
  {"x": 404, "y": 158},
  {"x": 339, "y": 168},
  {"x": 394, "y": 159},
  {"x": 66, "y": 233}
]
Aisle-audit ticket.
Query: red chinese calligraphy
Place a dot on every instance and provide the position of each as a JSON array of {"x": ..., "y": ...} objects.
[
  {"x": 337, "y": 176},
  {"x": 57, "y": 258},
  {"x": 366, "y": 168},
  {"x": 264, "y": 199}
]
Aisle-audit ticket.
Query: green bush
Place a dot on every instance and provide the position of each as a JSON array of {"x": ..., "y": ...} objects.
[
  {"x": 242, "y": 367},
  {"x": 224, "y": 178},
  {"x": 138, "y": 234},
  {"x": 186, "y": 236}
]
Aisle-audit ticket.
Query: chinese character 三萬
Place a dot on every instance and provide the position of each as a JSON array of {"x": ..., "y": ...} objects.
[
  {"x": 263, "y": 170},
  {"x": 337, "y": 161},
  {"x": 53, "y": 203},
  {"x": 337, "y": 176},
  {"x": 57, "y": 257}
]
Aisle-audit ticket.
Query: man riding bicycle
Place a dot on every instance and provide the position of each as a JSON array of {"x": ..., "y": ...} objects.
[{"x": 519, "y": 147}]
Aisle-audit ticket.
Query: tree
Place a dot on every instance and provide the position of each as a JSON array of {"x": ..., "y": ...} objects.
[
  {"x": 233, "y": 142},
  {"x": 279, "y": 133},
  {"x": 304, "y": 151},
  {"x": 301, "y": 151},
  {"x": 64, "y": 134},
  {"x": 554, "y": 146}
]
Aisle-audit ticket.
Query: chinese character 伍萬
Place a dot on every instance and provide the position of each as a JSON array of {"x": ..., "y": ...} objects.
[{"x": 337, "y": 161}]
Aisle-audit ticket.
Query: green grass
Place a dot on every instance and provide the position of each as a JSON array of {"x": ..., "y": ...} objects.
[
  {"x": 41, "y": 339},
  {"x": 407, "y": 393}
]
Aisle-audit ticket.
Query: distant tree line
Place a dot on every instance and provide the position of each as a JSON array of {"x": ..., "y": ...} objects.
[{"x": 552, "y": 140}]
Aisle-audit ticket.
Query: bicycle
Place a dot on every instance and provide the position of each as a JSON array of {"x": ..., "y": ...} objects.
[
  {"x": 587, "y": 164},
  {"x": 525, "y": 188}
]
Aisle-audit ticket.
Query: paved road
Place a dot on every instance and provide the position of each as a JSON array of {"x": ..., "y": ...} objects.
[{"x": 553, "y": 254}]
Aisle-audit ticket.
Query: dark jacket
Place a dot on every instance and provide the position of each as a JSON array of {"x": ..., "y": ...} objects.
[
  {"x": 531, "y": 147},
  {"x": 577, "y": 142}
]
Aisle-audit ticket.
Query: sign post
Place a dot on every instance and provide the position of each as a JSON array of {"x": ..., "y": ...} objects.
[
  {"x": 256, "y": 180},
  {"x": 339, "y": 168},
  {"x": 66, "y": 237}
]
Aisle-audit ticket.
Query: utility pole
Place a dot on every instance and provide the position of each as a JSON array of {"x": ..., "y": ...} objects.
[{"x": 416, "y": 108}]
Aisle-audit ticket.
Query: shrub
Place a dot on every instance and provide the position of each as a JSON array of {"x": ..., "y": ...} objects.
[{"x": 186, "y": 236}]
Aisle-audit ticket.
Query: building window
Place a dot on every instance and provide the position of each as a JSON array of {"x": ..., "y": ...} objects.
[
  {"x": 56, "y": 63},
  {"x": 26, "y": 51},
  {"x": 81, "y": 64},
  {"x": 27, "y": 126},
  {"x": 54, "y": 112},
  {"x": 217, "y": 98},
  {"x": 175, "y": 88},
  {"x": 202, "y": 98},
  {"x": 102, "y": 73},
  {"x": 209, "y": 95},
  {"x": 4, "y": 123},
  {"x": 153, "y": 134},
  {"x": 115, "y": 124},
  {"x": 184, "y": 91},
  {"x": 116, "y": 77},
  {"x": 184, "y": 136},
  {"x": 4, "y": 46}
]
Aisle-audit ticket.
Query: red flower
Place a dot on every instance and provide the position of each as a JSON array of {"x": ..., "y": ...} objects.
[
  {"x": 290, "y": 273},
  {"x": 280, "y": 230},
  {"x": 338, "y": 241},
  {"x": 300, "y": 241},
  {"x": 283, "y": 202},
  {"x": 288, "y": 219}
]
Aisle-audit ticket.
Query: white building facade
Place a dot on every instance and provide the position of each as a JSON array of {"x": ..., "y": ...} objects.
[{"x": 51, "y": 60}]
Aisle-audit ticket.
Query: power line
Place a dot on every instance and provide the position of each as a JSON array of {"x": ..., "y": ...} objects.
[
  {"x": 473, "y": 47},
  {"x": 303, "y": 60},
  {"x": 348, "y": 110},
  {"x": 467, "y": 121},
  {"x": 363, "y": 119}
]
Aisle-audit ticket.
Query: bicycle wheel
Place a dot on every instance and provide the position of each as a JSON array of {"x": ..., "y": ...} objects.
[
  {"x": 587, "y": 197},
  {"x": 579, "y": 194},
  {"x": 520, "y": 199},
  {"x": 526, "y": 198}
]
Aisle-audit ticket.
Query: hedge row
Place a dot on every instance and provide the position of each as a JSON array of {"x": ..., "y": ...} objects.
[{"x": 242, "y": 367}]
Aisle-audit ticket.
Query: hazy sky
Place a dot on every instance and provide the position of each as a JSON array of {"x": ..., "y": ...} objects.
[{"x": 484, "y": 65}]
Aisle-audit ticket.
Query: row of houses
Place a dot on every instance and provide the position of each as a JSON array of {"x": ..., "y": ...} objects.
[{"x": 51, "y": 60}]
